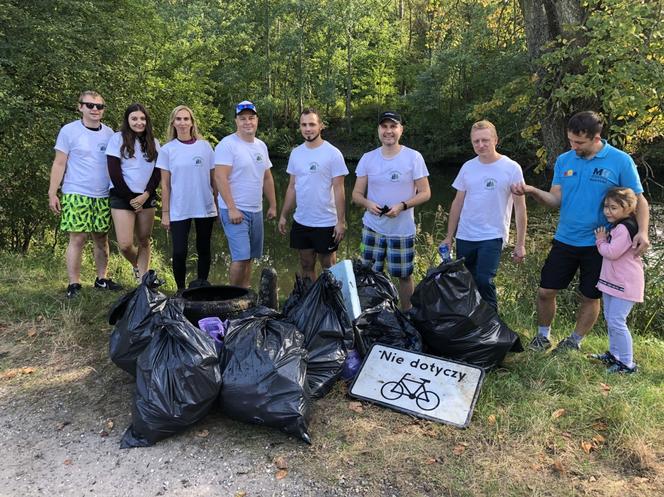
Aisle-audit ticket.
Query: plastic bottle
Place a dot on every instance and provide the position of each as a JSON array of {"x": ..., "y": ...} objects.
[{"x": 444, "y": 252}]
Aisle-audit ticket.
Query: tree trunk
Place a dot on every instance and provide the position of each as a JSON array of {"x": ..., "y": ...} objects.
[{"x": 546, "y": 20}]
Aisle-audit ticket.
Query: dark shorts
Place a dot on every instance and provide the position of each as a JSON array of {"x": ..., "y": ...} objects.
[
  {"x": 320, "y": 240},
  {"x": 561, "y": 266},
  {"x": 118, "y": 202}
]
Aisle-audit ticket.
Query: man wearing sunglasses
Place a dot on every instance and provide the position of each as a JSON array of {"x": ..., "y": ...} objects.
[
  {"x": 80, "y": 167},
  {"x": 242, "y": 176}
]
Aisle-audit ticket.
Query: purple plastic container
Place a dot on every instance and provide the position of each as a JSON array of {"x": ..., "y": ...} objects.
[{"x": 214, "y": 327}]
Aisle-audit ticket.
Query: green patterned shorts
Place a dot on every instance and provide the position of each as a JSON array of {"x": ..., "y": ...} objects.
[{"x": 81, "y": 214}]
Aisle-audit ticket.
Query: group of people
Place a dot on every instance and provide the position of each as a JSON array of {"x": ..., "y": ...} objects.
[{"x": 104, "y": 175}]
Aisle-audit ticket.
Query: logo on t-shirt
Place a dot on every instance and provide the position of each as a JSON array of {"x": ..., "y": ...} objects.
[
  {"x": 600, "y": 175},
  {"x": 568, "y": 173},
  {"x": 490, "y": 184},
  {"x": 101, "y": 147},
  {"x": 313, "y": 167},
  {"x": 198, "y": 161},
  {"x": 394, "y": 176},
  {"x": 259, "y": 158}
]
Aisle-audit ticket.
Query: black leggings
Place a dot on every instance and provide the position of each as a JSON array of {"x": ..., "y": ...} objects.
[{"x": 180, "y": 237}]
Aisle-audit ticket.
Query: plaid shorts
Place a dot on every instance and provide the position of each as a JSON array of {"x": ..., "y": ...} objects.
[
  {"x": 82, "y": 214},
  {"x": 398, "y": 251}
]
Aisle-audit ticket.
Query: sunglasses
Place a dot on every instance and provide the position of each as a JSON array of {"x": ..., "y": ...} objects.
[{"x": 91, "y": 106}]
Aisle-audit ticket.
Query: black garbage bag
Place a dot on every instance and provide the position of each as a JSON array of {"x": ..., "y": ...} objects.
[
  {"x": 385, "y": 324},
  {"x": 373, "y": 287},
  {"x": 328, "y": 334},
  {"x": 300, "y": 289},
  {"x": 264, "y": 367},
  {"x": 177, "y": 380},
  {"x": 456, "y": 323},
  {"x": 133, "y": 316}
]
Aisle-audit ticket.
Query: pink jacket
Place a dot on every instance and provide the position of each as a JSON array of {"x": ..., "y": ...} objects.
[{"x": 622, "y": 268}]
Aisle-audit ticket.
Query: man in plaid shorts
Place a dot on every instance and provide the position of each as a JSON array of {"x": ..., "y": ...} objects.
[{"x": 391, "y": 181}]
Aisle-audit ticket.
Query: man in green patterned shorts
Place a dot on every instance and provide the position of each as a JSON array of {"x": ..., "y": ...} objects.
[{"x": 81, "y": 160}]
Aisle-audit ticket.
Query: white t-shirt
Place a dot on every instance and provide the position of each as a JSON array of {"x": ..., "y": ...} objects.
[
  {"x": 136, "y": 170},
  {"x": 86, "y": 172},
  {"x": 249, "y": 162},
  {"x": 314, "y": 169},
  {"x": 487, "y": 205},
  {"x": 390, "y": 181},
  {"x": 191, "y": 187}
]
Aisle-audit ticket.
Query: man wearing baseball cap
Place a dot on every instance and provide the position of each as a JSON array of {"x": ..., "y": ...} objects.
[
  {"x": 242, "y": 176},
  {"x": 391, "y": 181}
]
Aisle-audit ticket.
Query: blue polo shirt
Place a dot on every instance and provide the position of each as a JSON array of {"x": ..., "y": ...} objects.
[{"x": 583, "y": 184}]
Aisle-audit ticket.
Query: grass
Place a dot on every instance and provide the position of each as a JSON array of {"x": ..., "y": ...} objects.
[{"x": 543, "y": 425}]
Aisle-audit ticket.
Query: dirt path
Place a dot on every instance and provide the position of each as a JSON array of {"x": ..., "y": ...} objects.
[{"x": 61, "y": 429}]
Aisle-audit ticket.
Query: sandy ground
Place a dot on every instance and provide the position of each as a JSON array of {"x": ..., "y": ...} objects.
[{"x": 60, "y": 431}]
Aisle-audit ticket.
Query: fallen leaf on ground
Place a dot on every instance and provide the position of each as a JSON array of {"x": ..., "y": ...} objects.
[
  {"x": 599, "y": 439},
  {"x": 558, "y": 413},
  {"x": 586, "y": 446},
  {"x": 8, "y": 375},
  {"x": 459, "y": 449},
  {"x": 491, "y": 419},
  {"x": 431, "y": 460},
  {"x": 27, "y": 370},
  {"x": 202, "y": 434},
  {"x": 356, "y": 407},
  {"x": 62, "y": 424},
  {"x": 281, "y": 474},
  {"x": 600, "y": 426},
  {"x": 592, "y": 479},
  {"x": 241, "y": 493},
  {"x": 67, "y": 462},
  {"x": 558, "y": 466},
  {"x": 32, "y": 332},
  {"x": 566, "y": 434},
  {"x": 281, "y": 462},
  {"x": 109, "y": 424},
  {"x": 605, "y": 388}
]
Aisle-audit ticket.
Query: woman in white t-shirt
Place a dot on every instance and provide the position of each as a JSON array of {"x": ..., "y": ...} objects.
[
  {"x": 187, "y": 172},
  {"x": 131, "y": 154}
]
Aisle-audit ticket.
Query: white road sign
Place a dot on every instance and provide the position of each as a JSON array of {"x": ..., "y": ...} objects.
[{"x": 419, "y": 384}]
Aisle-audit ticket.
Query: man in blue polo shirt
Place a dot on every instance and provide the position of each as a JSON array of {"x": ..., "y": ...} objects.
[{"x": 581, "y": 179}]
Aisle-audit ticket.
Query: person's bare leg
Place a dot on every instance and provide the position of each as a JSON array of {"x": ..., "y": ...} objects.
[
  {"x": 406, "y": 289},
  {"x": 586, "y": 314},
  {"x": 307, "y": 264},
  {"x": 124, "y": 221},
  {"x": 144, "y": 224},
  {"x": 73, "y": 256},
  {"x": 239, "y": 273},
  {"x": 327, "y": 260},
  {"x": 100, "y": 253},
  {"x": 546, "y": 306}
]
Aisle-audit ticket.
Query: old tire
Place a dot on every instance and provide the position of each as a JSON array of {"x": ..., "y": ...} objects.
[{"x": 222, "y": 301}]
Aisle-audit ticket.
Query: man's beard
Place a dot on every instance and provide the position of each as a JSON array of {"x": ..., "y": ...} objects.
[{"x": 313, "y": 138}]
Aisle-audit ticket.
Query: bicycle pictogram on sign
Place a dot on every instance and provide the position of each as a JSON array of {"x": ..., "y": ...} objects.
[{"x": 425, "y": 399}]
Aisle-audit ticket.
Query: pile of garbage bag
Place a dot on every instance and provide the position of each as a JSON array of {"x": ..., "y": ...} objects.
[{"x": 456, "y": 323}]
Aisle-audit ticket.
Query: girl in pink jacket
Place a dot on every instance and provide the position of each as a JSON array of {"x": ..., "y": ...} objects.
[{"x": 621, "y": 280}]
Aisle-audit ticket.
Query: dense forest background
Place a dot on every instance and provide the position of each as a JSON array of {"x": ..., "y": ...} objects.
[{"x": 526, "y": 65}]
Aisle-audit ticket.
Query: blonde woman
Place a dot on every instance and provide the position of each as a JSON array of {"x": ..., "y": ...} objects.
[{"x": 187, "y": 170}]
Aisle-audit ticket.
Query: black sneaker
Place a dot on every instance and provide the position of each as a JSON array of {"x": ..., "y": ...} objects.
[
  {"x": 107, "y": 284},
  {"x": 606, "y": 358},
  {"x": 539, "y": 344},
  {"x": 566, "y": 345},
  {"x": 73, "y": 290},
  {"x": 619, "y": 368},
  {"x": 198, "y": 283}
]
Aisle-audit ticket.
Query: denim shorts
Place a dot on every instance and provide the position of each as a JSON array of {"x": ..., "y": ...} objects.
[{"x": 245, "y": 240}]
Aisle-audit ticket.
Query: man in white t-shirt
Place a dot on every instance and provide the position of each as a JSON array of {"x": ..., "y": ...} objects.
[
  {"x": 482, "y": 209},
  {"x": 316, "y": 189},
  {"x": 80, "y": 166},
  {"x": 391, "y": 181},
  {"x": 242, "y": 175}
]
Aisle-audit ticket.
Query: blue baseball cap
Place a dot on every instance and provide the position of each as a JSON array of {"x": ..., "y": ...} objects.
[{"x": 245, "y": 105}]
